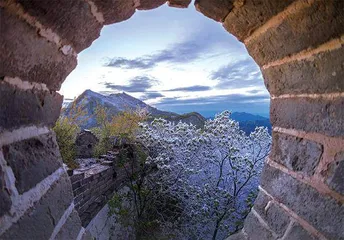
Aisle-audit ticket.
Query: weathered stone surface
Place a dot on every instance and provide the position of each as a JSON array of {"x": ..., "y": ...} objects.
[
  {"x": 77, "y": 177},
  {"x": 238, "y": 236},
  {"x": 30, "y": 57},
  {"x": 115, "y": 10},
  {"x": 85, "y": 143},
  {"x": 5, "y": 203},
  {"x": 150, "y": 4},
  {"x": 335, "y": 178},
  {"x": 27, "y": 107},
  {"x": 71, "y": 228},
  {"x": 255, "y": 230},
  {"x": 179, "y": 3},
  {"x": 71, "y": 20},
  {"x": 249, "y": 15},
  {"x": 311, "y": 26},
  {"x": 261, "y": 202},
  {"x": 311, "y": 115},
  {"x": 40, "y": 220},
  {"x": 277, "y": 219},
  {"x": 323, "y": 73},
  {"x": 321, "y": 211},
  {"x": 214, "y": 9},
  {"x": 297, "y": 154},
  {"x": 297, "y": 232},
  {"x": 87, "y": 236},
  {"x": 32, "y": 160}
]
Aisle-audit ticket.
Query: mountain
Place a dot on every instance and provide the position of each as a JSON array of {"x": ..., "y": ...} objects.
[
  {"x": 248, "y": 122},
  {"x": 119, "y": 102}
]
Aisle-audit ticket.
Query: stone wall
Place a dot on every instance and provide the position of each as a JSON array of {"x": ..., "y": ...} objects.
[
  {"x": 93, "y": 187},
  {"x": 297, "y": 43}
]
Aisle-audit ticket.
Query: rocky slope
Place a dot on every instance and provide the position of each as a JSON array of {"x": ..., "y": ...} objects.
[{"x": 119, "y": 102}]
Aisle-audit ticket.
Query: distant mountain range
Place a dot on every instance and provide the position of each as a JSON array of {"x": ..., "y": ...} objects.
[
  {"x": 248, "y": 122},
  {"x": 119, "y": 102}
]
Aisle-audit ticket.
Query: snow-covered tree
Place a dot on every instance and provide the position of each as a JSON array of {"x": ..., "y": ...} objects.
[{"x": 199, "y": 183}]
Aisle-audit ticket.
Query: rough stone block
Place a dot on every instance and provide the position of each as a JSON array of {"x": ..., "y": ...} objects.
[
  {"x": 255, "y": 229},
  {"x": 5, "y": 203},
  {"x": 323, "y": 73},
  {"x": 238, "y": 236},
  {"x": 321, "y": 211},
  {"x": 249, "y": 15},
  {"x": 310, "y": 115},
  {"x": 179, "y": 3},
  {"x": 311, "y": 26},
  {"x": 335, "y": 178},
  {"x": 71, "y": 20},
  {"x": 214, "y": 9},
  {"x": 71, "y": 228},
  {"x": 32, "y": 160},
  {"x": 77, "y": 177},
  {"x": 297, "y": 232},
  {"x": 150, "y": 4},
  {"x": 76, "y": 185},
  {"x": 297, "y": 154},
  {"x": 87, "y": 236},
  {"x": 115, "y": 10},
  {"x": 261, "y": 202},
  {"x": 40, "y": 220},
  {"x": 26, "y": 55},
  {"x": 27, "y": 107},
  {"x": 277, "y": 219}
]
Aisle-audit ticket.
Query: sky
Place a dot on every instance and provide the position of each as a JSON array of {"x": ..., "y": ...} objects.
[{"x": 175, "y": 60}]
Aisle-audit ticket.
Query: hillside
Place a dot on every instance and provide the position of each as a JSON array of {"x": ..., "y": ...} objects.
[
  {"x": 248, "y": 122},
  {"x": 119, "y": 102}
]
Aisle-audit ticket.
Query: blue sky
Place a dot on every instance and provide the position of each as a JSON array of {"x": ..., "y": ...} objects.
[{"x": 173, "y": 59}]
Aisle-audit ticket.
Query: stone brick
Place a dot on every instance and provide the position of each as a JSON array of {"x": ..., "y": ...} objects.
[
  {"x": 5, "y": 203},
  {"x": 71, "y": 20},
  {"x": 261, "y": 202},
  {"x": 30, "y": 57},
  {"x": 321, "y": 211},
  {"x": 297, "y": 232},
  {"x": 40, "y": 220},
  {"x": 179, "y": 3},
  {"x": 323, "y": 73},
  {"x": 311, "y": 26},
  {"x": 255, "y": 230},
  {"x": 238, "y": 236},
  {"x": 76, "y": 185},
  {"x": 214, "y": 9},
  {"x": 77, "y": 177},
  {"x": 71, "y": 228},
  {"x": 335, "y": 178},
  {"x": 297, "y": 154},
  {"x": 87, "y": 236},
  {"x": 150, "y": 4},
  {"x": 27, "y": 107},
  {"x": 311, "y": 115},
  {"x": 32, "y": 160},
  {"x": 277, "y": 219},
  {"x": 115, "y": 10},
  {"x": 249, "y": 15}
]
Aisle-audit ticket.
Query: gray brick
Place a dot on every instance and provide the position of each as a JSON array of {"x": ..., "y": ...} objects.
[
  {"x": 277, "y": 219},
  {"x": 311, "y": 26},
  {"x": 335, "y": 178},
  {"x": 71, "y": 228},
  {"x": 261, "y": 202},
  {"x": 71, "y": 20},
  {"x": 26, "y": 55},
  {"x": 40, "y": 220},
  {"x": 297, "y": 154},
  {"x": 19, "y": 107},
  {"x": 255, "y": 230},
  {"x": 32, "y": 160},
  {"x": 5, "y": 203},
  {"x": 297, "y": 232},
  {"x": 321, "y": 211},
  {"x": 324, "y": 73},
  {"x": 310, "y": 115}
]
